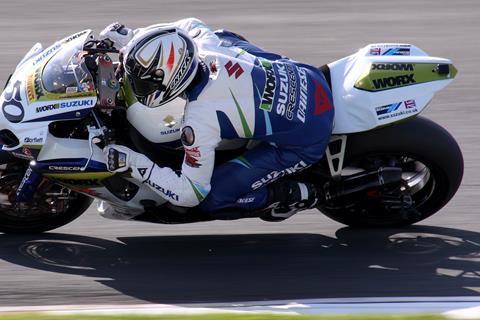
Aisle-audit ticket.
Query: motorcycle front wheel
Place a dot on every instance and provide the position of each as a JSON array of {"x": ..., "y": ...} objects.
[
  {"x": 432, "y": 170},
  {"x": 53, "y": 205}
]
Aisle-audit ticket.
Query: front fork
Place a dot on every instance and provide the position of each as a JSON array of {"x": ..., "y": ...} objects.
[{"x": 30, "y": 182}]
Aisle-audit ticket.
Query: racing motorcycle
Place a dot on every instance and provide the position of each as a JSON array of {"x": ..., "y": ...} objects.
[{"x": 385, "y": 164}]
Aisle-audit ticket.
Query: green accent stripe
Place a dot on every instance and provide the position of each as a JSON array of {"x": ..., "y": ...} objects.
[
  {"x": 246, "y": 129},
  {"x": 197, "y": 192},
  {"x": 240, "y": 53},
  {"x": 265, "y": 63}
]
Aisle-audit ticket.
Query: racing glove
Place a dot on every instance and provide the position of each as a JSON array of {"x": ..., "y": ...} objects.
[
  {"x": 118, "y": 34},
  {"x": 121, "y": 159}
]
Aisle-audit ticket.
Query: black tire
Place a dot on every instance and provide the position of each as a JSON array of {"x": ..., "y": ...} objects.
[
  {"x": 43, "y": 221},
  {"x": 420, "y": 139},
  {"x": 16, "y": 226}
]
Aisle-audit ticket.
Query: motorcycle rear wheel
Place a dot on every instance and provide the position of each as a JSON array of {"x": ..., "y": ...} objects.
[{"x": 432, "y": 163}]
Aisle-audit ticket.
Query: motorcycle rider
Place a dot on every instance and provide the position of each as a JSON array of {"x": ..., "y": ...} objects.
[{"x": 233, "y": 89}]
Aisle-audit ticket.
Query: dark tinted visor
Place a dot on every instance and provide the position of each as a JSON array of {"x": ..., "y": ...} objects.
[{"x": 143, "y": 88}]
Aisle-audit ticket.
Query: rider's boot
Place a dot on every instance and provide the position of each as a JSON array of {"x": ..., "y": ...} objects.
[{"x": 289, "y": 197}]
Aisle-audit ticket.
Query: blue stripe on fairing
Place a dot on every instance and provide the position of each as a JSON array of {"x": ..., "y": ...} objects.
[
  {"x": 393, "y": 107},
  {"x": 391, "y": 52}
]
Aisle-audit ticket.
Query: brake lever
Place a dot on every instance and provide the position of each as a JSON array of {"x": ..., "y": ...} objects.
[{"x": 93, "y": 138}]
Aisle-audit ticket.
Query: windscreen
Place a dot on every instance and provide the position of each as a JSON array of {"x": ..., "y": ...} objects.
[{"x": 66, "y": 71}]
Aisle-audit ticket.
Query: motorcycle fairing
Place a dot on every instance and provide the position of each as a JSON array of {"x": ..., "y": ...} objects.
[
  {"x": 28, "y": 107},
  {"x": 94, "y": 180},
  {"x": 385, "y": 83}
]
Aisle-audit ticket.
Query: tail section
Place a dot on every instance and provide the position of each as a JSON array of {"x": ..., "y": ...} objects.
[{"x": 384, "y": 83}]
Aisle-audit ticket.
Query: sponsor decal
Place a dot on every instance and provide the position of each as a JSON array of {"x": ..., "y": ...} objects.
[
  {"x": 181, "y": 72},
  {"x": 46, "y": 53},
  {"x": 168, "y": 193},
  {"x": 270, "y": 84},
  {"x": 410, "y": 104},
  {"x": 78, "y": 103},
  {"x": 375, "y": 51},
  {"x": 397, "y": 52},
  {"x": 188, "y": 136},
  {"x": 234, "y": 69},
  {"x": 396, "y": 109},
  {"x": 75, "y": 36},
  {"x": 169, "y": 121},
  {"x": 62, "y": 105},
  {"x": 274, "y": 175},
  {"x": 392, "y": 82},
  {"x": 191, "y": 157},
  {"x": 31, "y": 88},
  {"x": 24, "y": 180},
  {"x": 33, "y": 140},
  {"x": 291, "y": 86},
  {"x": 246, "y": 200},
  {"x": 287, "y": 97},
  {"x": 171, "y": 131},
  {"x": 47, "y": 108},
  {"x": 292, "y": 97},
  {"x": 390, "y": 50},
  {"x": 322, "y": 101},
  {"x": 393, "y": 66},
  {"x": 302, "y": 105},
  {"x": 283, "y": 93},
  {"x": 142, "y": 171},
  {"x": 64, "y": 168}
]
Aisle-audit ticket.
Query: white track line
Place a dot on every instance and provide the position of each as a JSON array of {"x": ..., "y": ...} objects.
[{"x": 453, "y": 307}]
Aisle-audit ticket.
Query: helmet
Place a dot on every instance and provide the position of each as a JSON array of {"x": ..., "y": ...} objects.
[{"x": 160, "y": 64}]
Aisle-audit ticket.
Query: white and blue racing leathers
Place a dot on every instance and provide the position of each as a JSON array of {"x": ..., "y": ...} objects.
[{"x": 242, "y": 91}]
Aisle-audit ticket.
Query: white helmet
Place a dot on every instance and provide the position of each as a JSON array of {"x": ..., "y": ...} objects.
[{"x": 160, "y": 64}]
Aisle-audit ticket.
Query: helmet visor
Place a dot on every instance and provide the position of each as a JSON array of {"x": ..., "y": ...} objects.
[{"x": 143, "y": 88}]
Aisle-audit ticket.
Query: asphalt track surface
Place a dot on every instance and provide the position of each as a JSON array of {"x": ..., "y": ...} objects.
[{"x": 94, "y": 260}]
